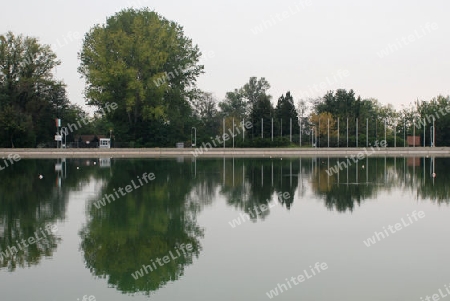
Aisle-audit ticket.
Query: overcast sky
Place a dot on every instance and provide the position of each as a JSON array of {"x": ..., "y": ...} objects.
[{"x": 394, "y": 51}]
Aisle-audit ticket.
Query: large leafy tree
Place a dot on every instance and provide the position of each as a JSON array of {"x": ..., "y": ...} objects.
[
  {"x": 258, "y": 102},
  {"x": 234, "y": 105},
  {"x": 145, "y": 64},
  {"x": 29, "y": 95},
  {"x": 206, "y": 115},
  {"x": 254, "y": 89}
]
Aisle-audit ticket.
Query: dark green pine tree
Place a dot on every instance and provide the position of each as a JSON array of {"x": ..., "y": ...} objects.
[
  {"x": 261, "y": 116},
  {"x": 284, "y": 111}
]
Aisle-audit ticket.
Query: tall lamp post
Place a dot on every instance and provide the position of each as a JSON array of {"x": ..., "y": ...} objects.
[
  {"x": 432, "y": 135},
  {"x": 64, "y": 131},
  {"x": 195, "y": 136}
]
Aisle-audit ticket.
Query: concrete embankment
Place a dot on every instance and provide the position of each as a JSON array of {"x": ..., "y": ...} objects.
[{"x": 227, "y": 152}]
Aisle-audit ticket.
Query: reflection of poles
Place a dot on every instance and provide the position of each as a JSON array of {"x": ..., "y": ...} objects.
[
  {"x": 338, "y": 171},
  {"x": 195, "y": 167},
  {"x": 300, "y": 173},
  {"x": 290, "y": 185},
  {"x": 404, "y": 169},
  {"x": 233, "y": 171},
  {"x": 243, "y": 173},
  {"x": 424, "y": 169},
  {"x": 347, "y": 175},
  {"x": 281, "y": 175},
  {"x": 272, "y": 173},
  {"x": 434, "y": 162},
  {"x": 262, "y": 175},
  {"x": 328, "y": 168},
  {"x": 223, "y": 171},
  {"x": 367, "y": 170}
]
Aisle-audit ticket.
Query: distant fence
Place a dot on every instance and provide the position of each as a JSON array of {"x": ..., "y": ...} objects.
[{"x": 52, "y": 144}]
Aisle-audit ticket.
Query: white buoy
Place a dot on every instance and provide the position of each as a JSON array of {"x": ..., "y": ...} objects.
[{"x": 41, "y": 177}]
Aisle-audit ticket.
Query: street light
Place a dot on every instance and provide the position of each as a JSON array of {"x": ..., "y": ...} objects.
[
  {"x": 195, "y": 136},
  {"x": 432, "y": 136},
  {"x": 64, "y": 131}
]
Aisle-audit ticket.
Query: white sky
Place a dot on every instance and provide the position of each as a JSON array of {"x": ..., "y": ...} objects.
[{"x": 336, "y": 43}]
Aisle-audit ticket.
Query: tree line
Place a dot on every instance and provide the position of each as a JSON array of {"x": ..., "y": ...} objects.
[{"x": 146, "y": 65}]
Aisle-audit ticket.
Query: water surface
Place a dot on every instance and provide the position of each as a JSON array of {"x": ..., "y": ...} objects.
[{"x": 222, "y": 229}]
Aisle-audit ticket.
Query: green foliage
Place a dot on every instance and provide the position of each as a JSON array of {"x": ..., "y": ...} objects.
[
  {"x": 286, "y": 111},
  {"x": 30, "y": 99},
  {"x": 146, "y": 65},
  {"x": 234, "y": 105},
  {"x": 437, "y": 112},
  {"x": 261, "y": 117}
]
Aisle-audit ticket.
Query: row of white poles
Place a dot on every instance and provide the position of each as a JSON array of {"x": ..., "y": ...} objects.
[{"x": 432, "y": 132}]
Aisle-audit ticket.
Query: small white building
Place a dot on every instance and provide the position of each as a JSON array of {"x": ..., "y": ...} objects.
[{"x": 104, "y": 143}]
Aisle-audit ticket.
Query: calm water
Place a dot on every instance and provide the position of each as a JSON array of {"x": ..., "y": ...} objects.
[{"x": 225, "y": 229}]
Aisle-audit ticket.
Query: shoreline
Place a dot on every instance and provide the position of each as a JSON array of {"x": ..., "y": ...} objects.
[{"x": 220, "y": 152}]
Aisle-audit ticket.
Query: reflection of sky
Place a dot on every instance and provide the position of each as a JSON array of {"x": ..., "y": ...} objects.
[{"x": 251, "y": 259}]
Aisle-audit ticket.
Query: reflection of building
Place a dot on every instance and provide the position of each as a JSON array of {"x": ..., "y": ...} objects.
[
  {"x": 104, "y": 162},
  {"x": 413, "y": 161},
  {"x": 61, "y": 171}
]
